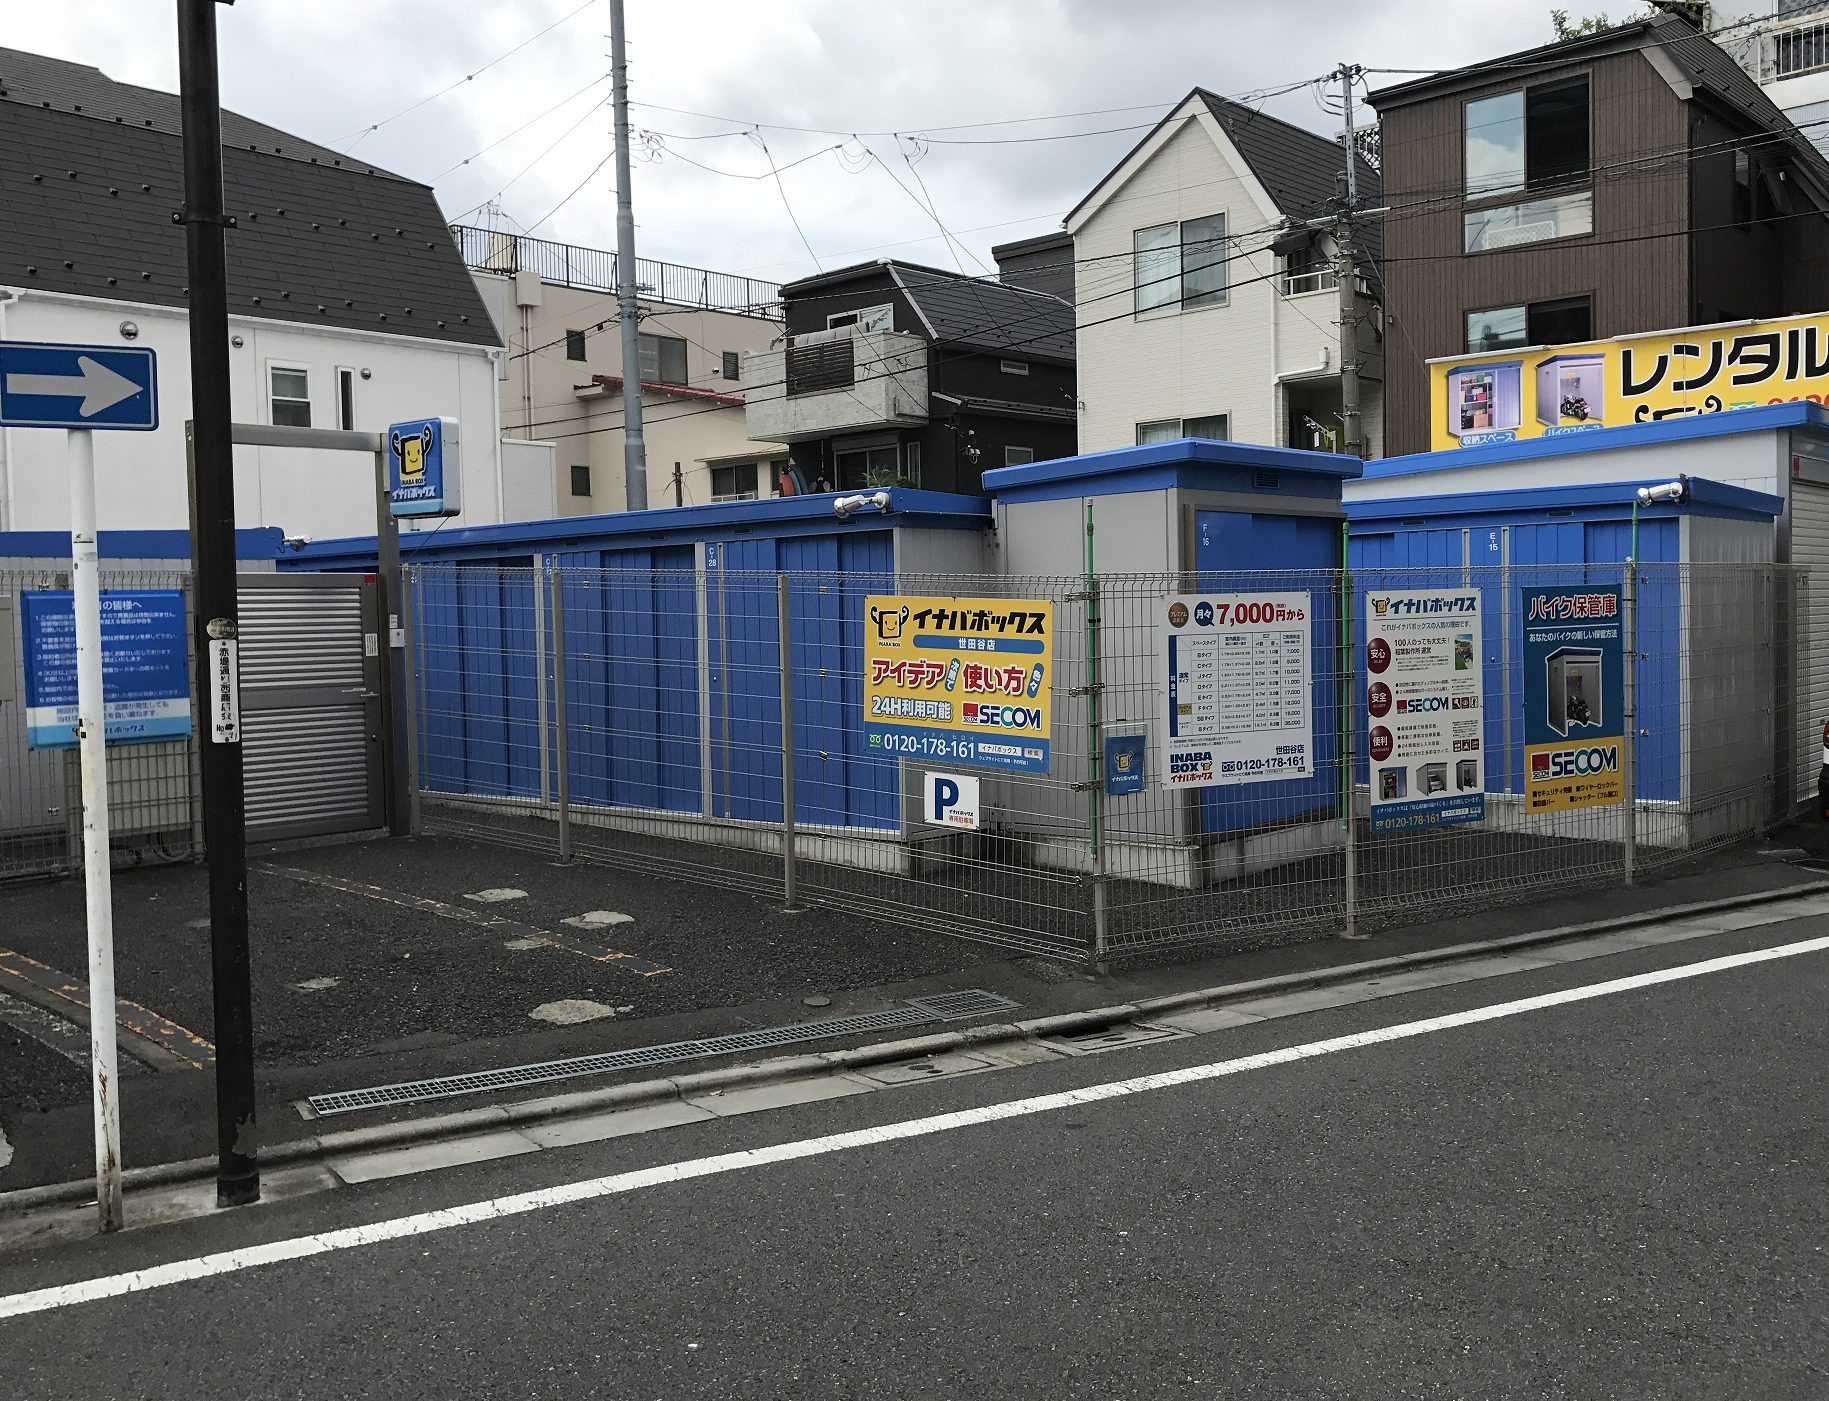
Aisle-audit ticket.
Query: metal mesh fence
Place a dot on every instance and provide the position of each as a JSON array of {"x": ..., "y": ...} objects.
[
  {"x": 635, "y": 716},
  {"x": 153, "y": 788}
]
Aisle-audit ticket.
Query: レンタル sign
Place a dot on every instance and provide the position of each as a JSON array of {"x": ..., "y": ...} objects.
[
  {"x": 1423, "y": 701},
  {"x": 1514, "y": 394},
  {"x": 1574, "y": 699},
  {"x": 145, "y": 679},
  {"x": 1237, "y": 690},
  {"x": 960, "y": 680}
]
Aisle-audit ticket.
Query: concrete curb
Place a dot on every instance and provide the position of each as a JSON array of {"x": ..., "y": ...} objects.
[{"x": 415, "y": 1132}]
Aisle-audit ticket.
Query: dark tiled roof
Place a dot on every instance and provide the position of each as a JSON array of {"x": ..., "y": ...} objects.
[
  {"x": 985, "y": 315},
  {"x": 1299, "y": 168},
  {"x": 86, "y": 204}
]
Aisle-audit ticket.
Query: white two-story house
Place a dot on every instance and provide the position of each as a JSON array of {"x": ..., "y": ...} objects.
[
  {"x": 1203, "y": 308},
  {"x": 349, "y": 308}
]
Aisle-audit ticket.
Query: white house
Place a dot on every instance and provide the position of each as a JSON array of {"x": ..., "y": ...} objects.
[
  {"x": 1203, "y": 308},
  {"x": 349, "y": 308}
]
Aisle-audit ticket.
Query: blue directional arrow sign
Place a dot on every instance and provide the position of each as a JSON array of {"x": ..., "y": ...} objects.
[{"x": 77, "y": 386}]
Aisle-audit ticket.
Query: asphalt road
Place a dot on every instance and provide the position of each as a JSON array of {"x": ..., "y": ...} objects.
[{"x": 1610, "y": 1198}]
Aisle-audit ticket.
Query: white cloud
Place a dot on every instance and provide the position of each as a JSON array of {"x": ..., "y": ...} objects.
[{"x": 328, "y": 69}]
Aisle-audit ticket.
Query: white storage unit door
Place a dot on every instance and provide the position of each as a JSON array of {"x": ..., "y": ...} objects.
[
  {"x": 1810, "y": 550},
  {"x": 312, "y": 750}
]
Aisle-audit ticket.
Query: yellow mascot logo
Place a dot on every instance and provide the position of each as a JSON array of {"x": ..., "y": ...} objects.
[{"x": 412, "y": 453}]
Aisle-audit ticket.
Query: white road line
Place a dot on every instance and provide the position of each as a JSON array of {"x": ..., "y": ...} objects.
[{"x": 424, "y": 1223}]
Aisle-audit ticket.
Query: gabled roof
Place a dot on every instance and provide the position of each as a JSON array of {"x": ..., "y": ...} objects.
[
  {"x": 987, "y": 315},
  {"x": 1697, "y": 60},
  {"x": 973, "y": 313},
  {"x": 91, "y": 172},
  {"x": 1298, "y": 168}
]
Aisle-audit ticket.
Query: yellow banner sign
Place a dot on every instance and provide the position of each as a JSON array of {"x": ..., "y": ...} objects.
[
  {"x": 960, "y": 680},
  {"x": 1507, "y": 396}
]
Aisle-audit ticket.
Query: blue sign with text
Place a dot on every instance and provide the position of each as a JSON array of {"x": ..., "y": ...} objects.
[
  {"x": 78, "y": 386},
  {"x": 424, "y": 469},
  {"x": 145, "y": 671}
]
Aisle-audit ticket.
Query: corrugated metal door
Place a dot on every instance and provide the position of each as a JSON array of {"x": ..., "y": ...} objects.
[
  {"x": 312, "y": 751},
  {"x": 1810, "y": 550}
]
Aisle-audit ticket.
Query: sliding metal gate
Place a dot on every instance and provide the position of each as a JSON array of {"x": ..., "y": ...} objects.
[{"x": 312, "y": 740}]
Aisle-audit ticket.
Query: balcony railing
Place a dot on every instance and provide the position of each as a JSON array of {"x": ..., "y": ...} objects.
[
  {"x": 594, "y": 270},
  {"x": 1295, "y": 284}
]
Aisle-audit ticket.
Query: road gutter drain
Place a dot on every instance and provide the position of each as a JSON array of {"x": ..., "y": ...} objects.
[{"x": 917, "y": 1011}]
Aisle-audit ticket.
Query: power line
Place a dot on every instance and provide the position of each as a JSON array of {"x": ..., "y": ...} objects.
[
  {"x": 360, "y": 136},
  {"x": 525, "y": 169},
  {"x": 782, "y": 190},
  {"x": 577, "y": 189},
  {"x": 459, "y": 165}
]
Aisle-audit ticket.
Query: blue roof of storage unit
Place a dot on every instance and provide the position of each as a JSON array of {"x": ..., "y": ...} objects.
[
  {"x": 259, "y": 542},
  {"x": 1706, "y": 498},
  {"x": 1185, "y": 462},
  {"x": 1765, "y": 418},
  {"x": 786, "y": 515}
]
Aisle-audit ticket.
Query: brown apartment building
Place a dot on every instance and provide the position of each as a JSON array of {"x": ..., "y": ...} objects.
[{"x": 1634, "y": 180}]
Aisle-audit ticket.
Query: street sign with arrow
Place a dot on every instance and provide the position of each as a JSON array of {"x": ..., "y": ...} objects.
[{"x": 78, "y": 386}]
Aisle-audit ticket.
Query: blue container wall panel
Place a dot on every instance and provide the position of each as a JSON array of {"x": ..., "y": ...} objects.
[
  {"x": 1663, "y": 634},
  {"x": 837, "y": 779},
  {"x": 632, "y": 677},
  {"x": 745, "y": 682},
  {"x": 1231, "y": 551},
  {"x": 441, "y": 691},
  {"x": 493, "y": 684}
]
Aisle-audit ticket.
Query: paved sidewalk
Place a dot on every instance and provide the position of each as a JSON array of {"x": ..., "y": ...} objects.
[{"x": 371, "y": 967}]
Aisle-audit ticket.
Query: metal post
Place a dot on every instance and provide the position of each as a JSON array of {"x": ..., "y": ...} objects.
[
  {"x": 561, "y": 724},
  {"x": 1349, "y": 731},
  {"x": 539, "y": 680},
  {"x": 409, "y": 608},
  {"x": 789, "y": 885},
  {"x": 91, "y": 731},
  {"x": 1628, "y": 756},
  {"x": 1095, "y": 754},
  {"x": 213, "y": 558},
  {"x": 634, "y": 449},
  {"x": 679, "y": 486},
  {"x": 394, "y": 778}
]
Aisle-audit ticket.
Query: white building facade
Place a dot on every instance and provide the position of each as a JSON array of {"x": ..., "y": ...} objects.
[{"x": 1198, "y": 313}]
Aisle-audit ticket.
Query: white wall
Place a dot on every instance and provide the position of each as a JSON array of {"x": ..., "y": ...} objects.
[{"x": 141, "y": 477}]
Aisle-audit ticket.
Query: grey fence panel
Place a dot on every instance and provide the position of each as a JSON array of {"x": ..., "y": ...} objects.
[{"x": 673, "y": 747}]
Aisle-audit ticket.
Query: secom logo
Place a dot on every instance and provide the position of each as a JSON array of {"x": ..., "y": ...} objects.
[{"x": 1576, "y": 763}]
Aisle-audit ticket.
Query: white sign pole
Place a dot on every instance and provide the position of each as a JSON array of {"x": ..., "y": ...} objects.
[{"x": 91, "y": 731}]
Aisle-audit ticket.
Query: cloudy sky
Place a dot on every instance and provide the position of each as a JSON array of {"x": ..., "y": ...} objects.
[{"x": 878, "y": 109}]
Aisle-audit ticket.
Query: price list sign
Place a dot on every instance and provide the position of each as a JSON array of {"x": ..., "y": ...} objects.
[{"x": 1238, "y": 689}]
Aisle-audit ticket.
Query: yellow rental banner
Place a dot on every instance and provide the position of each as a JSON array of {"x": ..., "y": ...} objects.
[
  {"x": 965, "y": 681},
  {"x": 1506, "y": 396}
]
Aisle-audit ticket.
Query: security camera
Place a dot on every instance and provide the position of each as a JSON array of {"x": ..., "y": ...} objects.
[
  {"x": 1669, "y": 493},
  {"x": 847, "y": 506}
]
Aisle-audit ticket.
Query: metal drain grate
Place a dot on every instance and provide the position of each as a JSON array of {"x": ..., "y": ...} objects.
[{"x": 919, "y": 1011}]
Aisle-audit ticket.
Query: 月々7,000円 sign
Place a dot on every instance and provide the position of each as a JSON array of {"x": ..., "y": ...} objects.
[
  {"x": 1238, "y": 689},
  {"x": 960, "y": 680}
]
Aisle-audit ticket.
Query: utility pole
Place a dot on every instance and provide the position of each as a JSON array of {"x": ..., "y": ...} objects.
[
  {"x": 679, "y": 487},
  {"x": 213, "y": 561},
  {"x": 1345, "y": 255},
  {"x": 634, "y": 449}
]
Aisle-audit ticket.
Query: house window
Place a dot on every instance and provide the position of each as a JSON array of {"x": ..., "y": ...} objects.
[
  {"x": 733, "y": 481},
  {"x": 1540, "y": 323},
  {"x": 1166, "y": 430},
  {"x": 663, "y": 359},
  {"x": 911, "y": 464},
  {"x": 581, "y": 479},
  {"x": 346, "y": 398},
  {"x": 1804, "y": 49},
  {"x": 1509, "y": 225},
  {"x": 867, "y": 318},
  {"x": 1180, "y": 264},
  {"x": 574, "y": 345},
  {"x": 1013, "y": 367},
  {"x": 867, "y": 467},
  {"x": 1533, "y": 139},
  {"x": 1212, "y": 426},
  {"x": 732, "y": 365},
  {"x": 290, "y": 396},
  {"x": 1016, "y": 457}
]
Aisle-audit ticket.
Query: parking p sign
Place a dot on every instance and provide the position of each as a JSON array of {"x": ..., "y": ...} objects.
[{"x": 952, "y": 800}]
